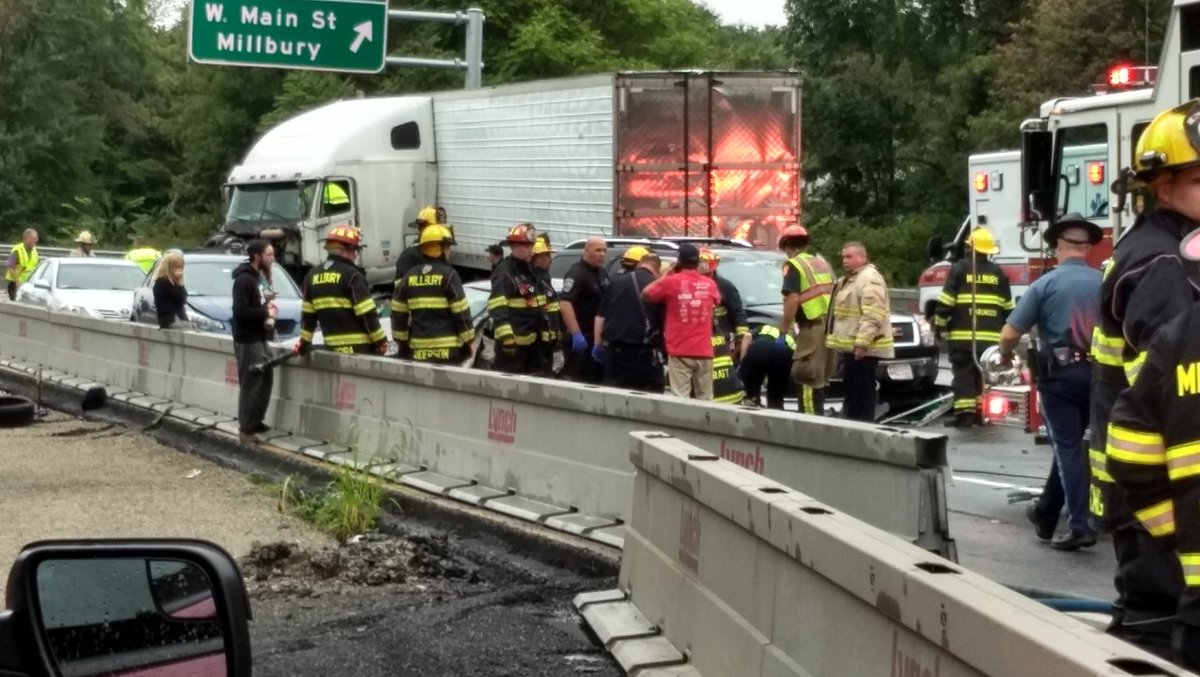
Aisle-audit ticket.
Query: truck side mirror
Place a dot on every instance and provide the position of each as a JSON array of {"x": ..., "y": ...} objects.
[
  {"x": 935, "y": 249},
  {"x": 149, "y": 607},
  {"x": 1038, "y": 178}
]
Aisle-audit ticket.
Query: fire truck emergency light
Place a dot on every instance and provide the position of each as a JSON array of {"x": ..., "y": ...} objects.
[
  {"x": 981, "y": 182},
  {"x": 1120, "y": 76},
  {"x": 1095, "y": 172}
]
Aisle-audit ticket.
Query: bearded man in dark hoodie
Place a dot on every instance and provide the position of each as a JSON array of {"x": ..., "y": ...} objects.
[{"x": 253, "y": 325}]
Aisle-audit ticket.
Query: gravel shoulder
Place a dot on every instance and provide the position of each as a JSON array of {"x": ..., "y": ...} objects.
[{"x": 63, "y": 477}]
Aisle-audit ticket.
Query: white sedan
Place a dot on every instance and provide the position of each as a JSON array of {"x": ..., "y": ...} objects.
[{"x": 101, "y": 288}]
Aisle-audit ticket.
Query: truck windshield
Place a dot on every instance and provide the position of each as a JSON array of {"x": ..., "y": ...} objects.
[{"x": 266, "y": 202}]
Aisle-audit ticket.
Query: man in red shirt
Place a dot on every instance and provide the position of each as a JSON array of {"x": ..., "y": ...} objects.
[{"x": 689, "y": 298}]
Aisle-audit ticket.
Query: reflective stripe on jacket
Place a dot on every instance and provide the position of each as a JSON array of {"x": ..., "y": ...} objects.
[
  {"x": 861, "y": 314},
  {"x": 337, "y": 298},
  {"x": 974, "y": 303}
]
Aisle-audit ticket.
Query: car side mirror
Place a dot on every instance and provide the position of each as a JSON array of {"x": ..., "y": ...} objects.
[
  {"x": 42, "y": 284},
  {"x": 934, "y": 249},
  {"x": 153, "y": 607}
]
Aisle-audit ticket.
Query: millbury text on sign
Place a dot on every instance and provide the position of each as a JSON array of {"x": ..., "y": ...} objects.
[{"x": 334, "y": 35}]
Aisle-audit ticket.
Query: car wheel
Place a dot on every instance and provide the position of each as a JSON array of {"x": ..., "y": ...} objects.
[{"x": 16, "y": 411}]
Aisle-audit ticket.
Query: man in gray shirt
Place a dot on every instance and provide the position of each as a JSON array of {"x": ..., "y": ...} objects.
[{"x": 1062, "y": 304}]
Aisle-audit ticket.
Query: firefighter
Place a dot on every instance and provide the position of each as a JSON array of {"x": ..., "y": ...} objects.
[
  {"x": 971, "y": 310},
  {"x": 337, "y": 298},
  {"x": 431, "y": 319},
  {"x": 517, "y": 306},
  {"x": 1146, "y": 285},
  {"x": 807, "y": 286},
  {"x": 1153, "y": 448},
  {"x": 765, "y": 357},
  {"x": 729, "y": 326},
  {"x": 552, "y": 333},
  {"x": 628, "y": 329},
  {"x": 429, "y": 216}
]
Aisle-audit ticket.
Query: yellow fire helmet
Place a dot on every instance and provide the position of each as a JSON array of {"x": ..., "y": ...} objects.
[
  {"x": 635, "y": 254},
  {"x": 428, "y": 216},
  {"x": 1170, "y": 142},
  {"x": 982, "y": 241},
  {"x": 542, "y": 247},
  {"x": 436, "y": 234}
]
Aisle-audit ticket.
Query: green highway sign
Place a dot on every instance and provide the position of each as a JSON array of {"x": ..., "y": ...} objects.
[{"x": 326, "y": 35}]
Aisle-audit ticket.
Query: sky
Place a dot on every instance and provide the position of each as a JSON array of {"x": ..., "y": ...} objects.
[{"x": 752, "y": 12}]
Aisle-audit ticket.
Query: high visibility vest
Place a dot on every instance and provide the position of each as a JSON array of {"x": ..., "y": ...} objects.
[
  {"x": 773, "y": 333},
  {"x": 27, "y": 260},
  {"x": 144, "y": 258},
  {"x": 335, "y": 195},
  {"x": 816, "y": 284}
]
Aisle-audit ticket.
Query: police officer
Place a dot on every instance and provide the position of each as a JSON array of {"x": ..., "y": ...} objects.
[
  {"x": 337, "y": 298},
  {"x": 807, "y": 289},
  {"x": 628, "y": 329},
  {"x": 1146, "y": 285},
  {"x": 552, "y": 331},
  {"x": 729, "y": 326},
  {"x": 429, "y": 216},
  {"x": 431, "y": 319},
  {"x": 518, "y": 307},
  {"x": 1153, "y": 438},
  {"x": 1062, "y": 304},
  {"x": 583, "y": 287},
  {"x": 970, "y": 313},
  {"x": 766, "y": 358}
]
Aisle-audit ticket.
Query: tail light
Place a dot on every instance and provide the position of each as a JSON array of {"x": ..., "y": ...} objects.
[
  {"x": 996, "y": 407},
  {"x": 934, "y": 276}
]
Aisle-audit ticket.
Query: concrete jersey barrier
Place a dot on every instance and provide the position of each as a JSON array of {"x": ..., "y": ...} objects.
[
  {"x": 727, "y": 573},
  {"x": 479, "y": 436}
]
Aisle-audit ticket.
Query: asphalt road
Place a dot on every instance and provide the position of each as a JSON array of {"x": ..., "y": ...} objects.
[{"x": 469, "y": 609}]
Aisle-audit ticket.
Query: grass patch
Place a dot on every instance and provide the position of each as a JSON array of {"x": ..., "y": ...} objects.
[{"x": 346, "y": 506}]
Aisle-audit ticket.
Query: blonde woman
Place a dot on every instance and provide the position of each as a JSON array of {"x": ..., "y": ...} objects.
[{"x": 170, "y": 296}]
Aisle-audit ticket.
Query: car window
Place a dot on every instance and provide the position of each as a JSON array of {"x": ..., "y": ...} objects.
[
  {"x": 560, "y": 264},
  {"x": 477, "y": 299},
  {"x": 120, "y": 277},
  {"x": 758, "y": 280},
  {"x": 215, "y": 278}
]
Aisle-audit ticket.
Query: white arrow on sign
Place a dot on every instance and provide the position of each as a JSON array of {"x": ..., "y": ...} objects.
[{"x": 366, "y": 31}]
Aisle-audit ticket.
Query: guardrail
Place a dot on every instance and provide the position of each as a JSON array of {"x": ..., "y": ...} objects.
[
  {"x": 489, "y": 438},
  {"x": 61, "y": 252},
  {"x": 727, "y": 573}
]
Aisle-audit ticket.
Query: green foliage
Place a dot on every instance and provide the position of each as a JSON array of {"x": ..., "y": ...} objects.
[
  {"x": 105, "y": 125},
  {"x": 347, "y": 506}
]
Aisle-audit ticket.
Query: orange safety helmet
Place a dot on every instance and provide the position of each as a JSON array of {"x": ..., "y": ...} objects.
[
  {"x": 709, "y": 260},
  {"x": 345, "y": 235},
  {"x": 522, "y": 233},
  {"x": 796, "y": 232}
]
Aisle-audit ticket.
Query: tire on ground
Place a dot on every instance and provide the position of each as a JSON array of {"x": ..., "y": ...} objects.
[{"x": 15, "y": 411}]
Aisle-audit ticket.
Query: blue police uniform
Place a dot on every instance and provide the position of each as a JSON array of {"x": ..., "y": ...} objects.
[{"x": 1062, "y": 304}]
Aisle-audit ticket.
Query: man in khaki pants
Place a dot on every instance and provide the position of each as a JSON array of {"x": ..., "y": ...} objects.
[
  {"x": 807, "y": 286},
  {"x": 689, "y": 298}
]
